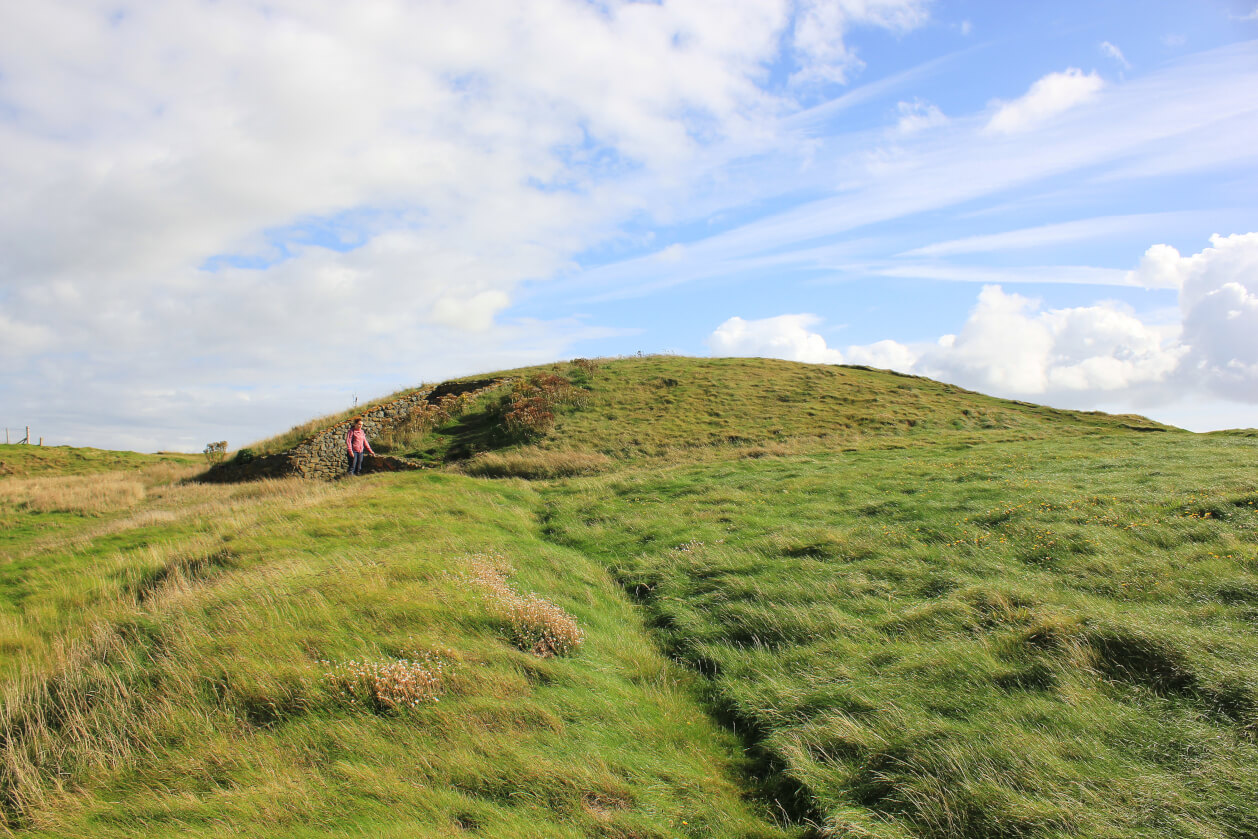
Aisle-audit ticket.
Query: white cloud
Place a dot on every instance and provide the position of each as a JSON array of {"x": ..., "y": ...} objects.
[
  {"x": 1160, "y": 267},
  {"x": 1115, "y": 53},
  {"x": 1219, "y": 302},
  {"x": 1085, "y": 355},
  {"x": 1010, "y": 346},
  {"x": 820, "y": 27},
  {"x": 886, "y": 354},
  {"x": 784, "y": 336},
  {"x": 1049, "y": 96},
  {"x": 917, "y": 116}
]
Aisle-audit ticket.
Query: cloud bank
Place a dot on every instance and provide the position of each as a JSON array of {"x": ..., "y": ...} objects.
[{"x": 1010, "y": 345}]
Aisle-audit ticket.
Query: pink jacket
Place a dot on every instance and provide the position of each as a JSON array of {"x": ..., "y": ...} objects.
[{"x": 356, "y": 441}]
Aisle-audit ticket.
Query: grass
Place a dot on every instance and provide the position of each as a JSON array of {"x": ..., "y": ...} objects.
[
  {"x": 59, "y": 461},
  {"x": 1039, "y": 638},
  {"x": 197, "y": 687},
  {"x": 722, "y": 598},
  {"x": 534, "y": 463}
]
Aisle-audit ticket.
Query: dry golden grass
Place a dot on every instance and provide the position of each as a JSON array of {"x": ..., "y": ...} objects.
[
  {"x": 533, "y": 463},
  {"x": 245, "y": 504},
  {"x": 91, "y": 494},
  {"x": 83, "y": 494}
]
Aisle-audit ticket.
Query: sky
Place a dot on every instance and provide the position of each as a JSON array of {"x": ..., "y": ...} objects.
[{"x": 222, "y": 218}]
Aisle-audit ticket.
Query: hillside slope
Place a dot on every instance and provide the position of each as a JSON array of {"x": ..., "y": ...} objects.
[
  {"x": 815, "y": 601},
  {"x": 242, "y": 661}
]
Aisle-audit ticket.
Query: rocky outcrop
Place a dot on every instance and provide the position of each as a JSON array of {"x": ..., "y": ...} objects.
[{"x": 323, "y": 455}]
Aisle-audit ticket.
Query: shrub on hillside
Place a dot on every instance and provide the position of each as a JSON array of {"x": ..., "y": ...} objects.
[
  {"x": 542, "y": 628},
  {"x": 215, "y": 452},
  {"x": 528, "y": 417},
  {"x": 528, "y": 411}
]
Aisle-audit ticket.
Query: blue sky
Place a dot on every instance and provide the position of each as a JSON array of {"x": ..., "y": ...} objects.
[{"x": 219, "y": 220}]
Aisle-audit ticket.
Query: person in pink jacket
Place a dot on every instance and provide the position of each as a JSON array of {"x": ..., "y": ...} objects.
[{"x": 356, "y": 442}]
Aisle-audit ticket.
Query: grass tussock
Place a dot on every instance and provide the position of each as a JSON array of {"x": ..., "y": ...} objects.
[
  {"x": 533, "y": 463},
  {"x": 533, "y": 623},
  {"x": 381, "y": 686}
]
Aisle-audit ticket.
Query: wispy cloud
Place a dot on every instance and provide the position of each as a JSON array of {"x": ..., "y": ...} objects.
[
  {"x": 1051, "y": 234},
  {"x": 918, "y": 116},
  {"x": 1063, "y": 274},
  {"x": 1115, "y": 53},
  {"x": 1131, "y": 127}
]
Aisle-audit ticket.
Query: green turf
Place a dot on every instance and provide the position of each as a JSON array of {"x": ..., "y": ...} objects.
[
  {"x": 1038, "y": 638},
  {"x": 195, "y": 702},
  {"x": 817, "y": 601}
]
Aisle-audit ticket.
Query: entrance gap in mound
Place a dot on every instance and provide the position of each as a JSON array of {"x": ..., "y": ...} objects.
[{"x": 322, "y": 455}]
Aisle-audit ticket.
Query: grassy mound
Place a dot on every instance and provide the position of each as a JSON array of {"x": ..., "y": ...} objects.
[
  {"x": 732, "y": 598},
  {"x": 669, "y": 408}
]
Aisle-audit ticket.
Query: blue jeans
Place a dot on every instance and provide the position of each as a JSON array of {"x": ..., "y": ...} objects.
[{"x": 356, "y": 463}]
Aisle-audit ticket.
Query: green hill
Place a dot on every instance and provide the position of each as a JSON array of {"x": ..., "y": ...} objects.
[{"x": 738, "y": 598}]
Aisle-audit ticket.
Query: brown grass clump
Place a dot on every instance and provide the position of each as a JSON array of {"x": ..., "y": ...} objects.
[
  {"x": 380, "y": 686},
  {"x": 542, "y": 628},
  {"x": 534, "y": 624},
  {"x": 83, "y": 494},
  {"x": 532, "y": 463}
]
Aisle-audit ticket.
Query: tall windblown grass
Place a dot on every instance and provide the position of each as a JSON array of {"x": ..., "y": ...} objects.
[
  {"x": 84, "y": 494},
  {"x": 535, "y": 463}
]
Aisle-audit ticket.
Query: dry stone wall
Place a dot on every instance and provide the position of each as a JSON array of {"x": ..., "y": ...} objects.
[{"x": 323, "y": 456}]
